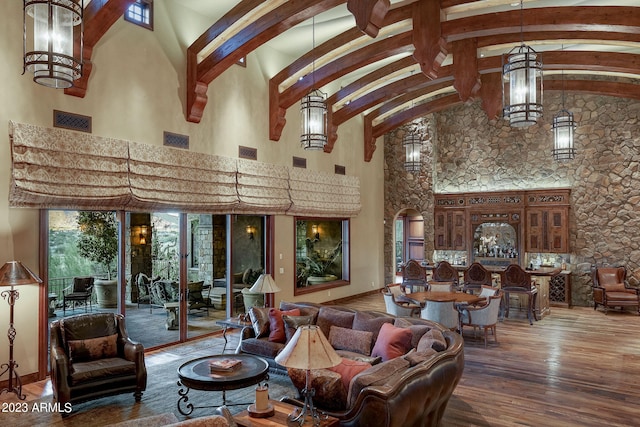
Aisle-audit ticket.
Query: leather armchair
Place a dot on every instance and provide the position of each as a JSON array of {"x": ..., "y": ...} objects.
[
  {"x": 610, "y": 289},
  {"x": 92, "y": 356}
]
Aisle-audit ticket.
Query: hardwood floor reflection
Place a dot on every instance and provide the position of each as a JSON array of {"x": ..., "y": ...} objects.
[{"x": 576, "y": 367}]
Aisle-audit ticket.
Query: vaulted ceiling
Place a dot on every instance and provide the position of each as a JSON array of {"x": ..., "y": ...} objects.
[{"x": 395, "y": 61}]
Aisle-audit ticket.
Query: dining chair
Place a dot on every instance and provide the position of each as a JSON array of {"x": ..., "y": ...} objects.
[
  {"x": 514, "y": 279},
  {"x": 443, "y": 312},
  {"x": 475, "y": 277},
  {"x": 444, "y": 272},
  {"x": 485, "y": 317},
  {"x": 414, "y": 277},
  {"x": 397, "y": 308},
  {"x": 441, "y": 286}
]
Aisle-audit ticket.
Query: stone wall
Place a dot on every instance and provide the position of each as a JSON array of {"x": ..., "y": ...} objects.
[{"x": 471, "y": 153}]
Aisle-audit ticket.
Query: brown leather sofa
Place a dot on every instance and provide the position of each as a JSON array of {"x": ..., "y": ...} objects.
[
  {"x": 416, "y": 394},
  {"x": 610, "y": 289},
  {"x": 92, "y": 356}
]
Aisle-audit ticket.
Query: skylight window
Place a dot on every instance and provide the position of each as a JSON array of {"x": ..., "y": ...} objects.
[{"x": 141, "y": 13}]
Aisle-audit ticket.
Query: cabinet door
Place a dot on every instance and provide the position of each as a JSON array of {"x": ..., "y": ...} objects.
[
  {"x": 458, "y": 231},
  {"x": 534, "y": 231},
  {"x": 557, "y": 230},
  {"x": 450, "y": 230},
  {"x": 440, "y": 230}
]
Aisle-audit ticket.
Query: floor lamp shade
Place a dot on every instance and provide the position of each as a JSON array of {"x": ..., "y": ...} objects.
[{"x": 265, "y": 284}]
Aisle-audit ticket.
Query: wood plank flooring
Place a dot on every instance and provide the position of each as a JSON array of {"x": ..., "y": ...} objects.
[{"x": 575, "y": 367}]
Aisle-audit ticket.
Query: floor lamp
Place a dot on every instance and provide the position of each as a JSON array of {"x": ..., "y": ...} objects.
[{"x": 13, "y": 273}]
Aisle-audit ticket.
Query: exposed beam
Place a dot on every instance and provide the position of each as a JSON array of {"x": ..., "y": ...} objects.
[
  {"x": 466, "y": 76},
  {"x": 369, "y": 14},
  {"x": 431, "y": 46},
  {"x": 98, "y": 17}
]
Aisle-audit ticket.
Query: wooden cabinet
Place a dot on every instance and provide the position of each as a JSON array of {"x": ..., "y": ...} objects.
[
  {"x": 450, "y": 230},
  {"x": 546, "y": 229}
]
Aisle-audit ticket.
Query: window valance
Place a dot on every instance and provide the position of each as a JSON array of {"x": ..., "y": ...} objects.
[{"x": 62, "y": 169}]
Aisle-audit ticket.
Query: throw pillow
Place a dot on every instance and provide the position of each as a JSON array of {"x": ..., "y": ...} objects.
[
  {"x": 368, "y": 322},
  {"x": 260, "y": 321},
  {"x": 305, "y": 310},
  {"x": 291, "y": 324},
  {"x": 93, "y": 348},
  {"x": 432, "y": 339},
  {"x": 276, "y": 324},
  {"x": 392, "y": 342},
  {"x": 351, "y": 340},
  {"x": 348, "y": 369},
  {"x": 328, "y": 316},
  {"x": 416, "y": 329}
]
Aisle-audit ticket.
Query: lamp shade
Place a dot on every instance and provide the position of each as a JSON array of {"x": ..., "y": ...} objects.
[
  {"x": 308, "y": 349},
  {"x": 265, "y": 284},
  {"x": 14, "y": 273}
]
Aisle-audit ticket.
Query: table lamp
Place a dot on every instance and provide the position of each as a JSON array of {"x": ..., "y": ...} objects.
[
  {"x": 265, "y": 285},
  {"x": 308, "y": 349},
  {"x": 13, "y": 273}
]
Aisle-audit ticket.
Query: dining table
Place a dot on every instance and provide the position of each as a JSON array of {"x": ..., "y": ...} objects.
[{"x": 459, "y": 297}]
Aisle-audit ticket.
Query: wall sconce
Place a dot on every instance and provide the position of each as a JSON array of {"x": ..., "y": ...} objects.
[
  {"x": 250, "y": 232},
  {"x": 316, "y": 232},
  {"x": 140, "y": 232}
]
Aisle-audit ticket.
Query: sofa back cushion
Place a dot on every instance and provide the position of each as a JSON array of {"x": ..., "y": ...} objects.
[
  {"x": 363, "y": 321},
  {"x": 306, "y": 309},
  {"x": 611, "y": 279},
  {"x": 329, "y": 316},
  {"x": 417, "y": 330},
  {"x": 292, "y": 323},
  {"x": 350, "y": 340},
  {"x": 260, "y": 321}
]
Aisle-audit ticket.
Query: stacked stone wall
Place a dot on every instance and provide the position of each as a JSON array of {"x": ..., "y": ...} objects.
[{"x": 471, "y": 153}]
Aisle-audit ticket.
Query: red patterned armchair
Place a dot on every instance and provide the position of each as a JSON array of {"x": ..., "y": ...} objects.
[{"x": 610, "y": 289}]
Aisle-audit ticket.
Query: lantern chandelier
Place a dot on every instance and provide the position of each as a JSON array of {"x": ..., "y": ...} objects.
[
  {"x": 412, "y": 143},
  {"x": 563, "y": 128},
  {"x": 522, "y": 83},
  {"x": 313, "y": 113},
  {"x": 48, "y": 48}
]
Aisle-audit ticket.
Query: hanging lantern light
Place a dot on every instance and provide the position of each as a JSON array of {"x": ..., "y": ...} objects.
[
  {"x": 313, "y": 111},
  {"x": 563, "y": 129},
  {"x": 412, "y": 143},
  {"x": 48, "y": 49},
  {"x": 522, "y": 84}
]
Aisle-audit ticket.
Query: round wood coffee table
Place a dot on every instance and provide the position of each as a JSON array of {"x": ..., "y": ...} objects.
[{"x": 196, "y": 374}]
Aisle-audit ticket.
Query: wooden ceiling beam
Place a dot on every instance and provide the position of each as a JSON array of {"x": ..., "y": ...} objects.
[
  {"x": 369, "y": 14},
  {"x": 430, "y": 45},
  {"x": 466, "y": 75},
  {"x": 98, "y": 17}
]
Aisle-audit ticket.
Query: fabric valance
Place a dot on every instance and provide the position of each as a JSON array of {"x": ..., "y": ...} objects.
[{"x": 62, "y": 169}]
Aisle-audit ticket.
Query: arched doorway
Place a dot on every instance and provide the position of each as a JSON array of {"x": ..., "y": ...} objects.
[{"x": 408, "y": 237}]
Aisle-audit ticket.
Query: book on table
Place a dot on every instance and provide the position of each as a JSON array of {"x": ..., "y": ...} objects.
[{"x": 224, "y": 365}]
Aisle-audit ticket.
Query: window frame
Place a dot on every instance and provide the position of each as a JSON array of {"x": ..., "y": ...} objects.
[{"x": 145, "y": 5}]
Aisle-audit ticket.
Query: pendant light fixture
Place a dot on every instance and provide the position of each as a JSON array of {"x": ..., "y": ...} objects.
[
  {"x": 313, "y": 113},
  {"x": 412, "y": 143},
  {"x": 522, "y": 83},
  {"x": 48, "y": 49},
  {"x": 563, "y": 131}
]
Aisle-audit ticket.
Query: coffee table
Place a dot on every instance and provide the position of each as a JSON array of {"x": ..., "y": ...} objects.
[{"x": 195, "y": 374}]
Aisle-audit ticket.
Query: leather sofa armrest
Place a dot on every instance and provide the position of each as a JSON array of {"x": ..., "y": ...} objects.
[
  {"x": 247, "y": 332},
  {"x": 132, "y": 350},
  {"x": 60, "y": 373}
]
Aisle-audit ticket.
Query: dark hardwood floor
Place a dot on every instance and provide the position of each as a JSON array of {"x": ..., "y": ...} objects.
[{"x": 575, "y": 367}]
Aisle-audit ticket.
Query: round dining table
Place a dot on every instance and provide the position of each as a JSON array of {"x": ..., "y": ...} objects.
[{"x": 458, "y": 297}]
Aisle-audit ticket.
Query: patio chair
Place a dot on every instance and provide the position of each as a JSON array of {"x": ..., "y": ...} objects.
[{"x": 81, "y": 290}]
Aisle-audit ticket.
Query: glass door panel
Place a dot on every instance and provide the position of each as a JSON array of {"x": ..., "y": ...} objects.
[{"x": 247, "y": 261}]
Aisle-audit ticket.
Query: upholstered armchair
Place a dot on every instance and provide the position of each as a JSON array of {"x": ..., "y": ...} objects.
[
  {"x": 397, "y": 308},
  {"x": 92, "y": 356},
  {"x": 610, "y": 289}
]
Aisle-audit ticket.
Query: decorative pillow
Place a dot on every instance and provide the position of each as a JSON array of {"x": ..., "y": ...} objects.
[
  {"x": 276, "y": 324},
  {"x": 329, "y": 392},
  {"x": 432, "y": 339},
  {"x": 414, "y": 357},
  {"x": 328, "y": 316},
  {"x": 351, "y": 340},
  {"x": 291, "y": 324},
  {"x": 367, "y": 322},
  {"x": 259, "y": 320},
  {"x": 392, "y": 342},
  {"x": 416, "y": 329},
  {"x": 305, "y": 310},
  {"x": 348, "y": 369},
  {"x": 93, "y": 348}
]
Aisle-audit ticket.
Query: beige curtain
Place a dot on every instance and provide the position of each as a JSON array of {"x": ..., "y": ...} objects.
[{"x": 62, "y": 169}]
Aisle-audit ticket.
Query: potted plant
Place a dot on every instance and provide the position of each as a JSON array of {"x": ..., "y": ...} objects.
[{"x": 98, "y": 242}]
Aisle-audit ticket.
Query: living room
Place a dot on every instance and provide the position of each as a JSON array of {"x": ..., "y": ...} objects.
[{"x": 138, "y": 88}]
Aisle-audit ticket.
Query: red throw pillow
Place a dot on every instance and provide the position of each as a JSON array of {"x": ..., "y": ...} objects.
[
  {"x": 348, "y": 369},
  {"x": 392, "y": 342},
  {"x": 276, "y": 324}
]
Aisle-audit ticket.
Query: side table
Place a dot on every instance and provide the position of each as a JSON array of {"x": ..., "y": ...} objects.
[
  {"x": 173, "y": 316},
  {"x": 282, "y": 411},
  {"x": 231, "y": 323}
]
